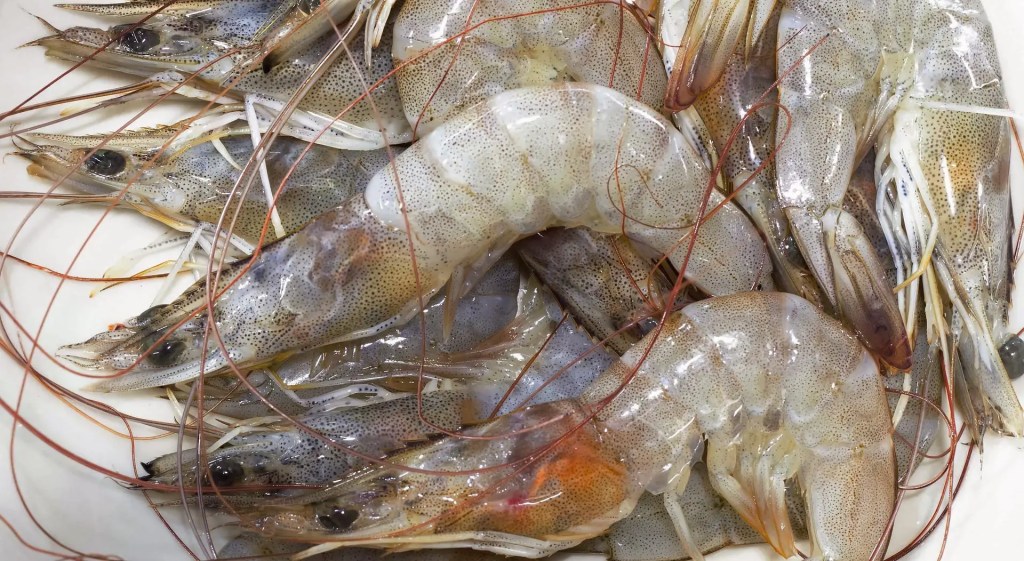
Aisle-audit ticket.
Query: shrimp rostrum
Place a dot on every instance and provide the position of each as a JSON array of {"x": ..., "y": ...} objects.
[
  {"x": 527, "y": 160},
  {"x": 772, "y": 387}
]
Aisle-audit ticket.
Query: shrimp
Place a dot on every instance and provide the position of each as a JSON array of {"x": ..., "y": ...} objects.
[
  {"x": 740, "y": 101},
  {"x": 175, "y": 55},
  {"x": 283, "y": 455},
  {"x": 771, "y": 384},
  {"x": 606, "y": 284},
  {"x": 647, "y": 534},
  {"x": 498, "y": 325},
  {"x": 347, "y": 274},
  {"x": 829, "y": 104},
  {"x": 191, "y": 181},
  {"x": 942, "y": 167},
  {"x": 545, "y": 41},
  {"x": 277, "y": 28}
]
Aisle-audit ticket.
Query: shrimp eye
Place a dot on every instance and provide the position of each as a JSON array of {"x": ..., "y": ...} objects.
[
  {"x": 140, "y": 40},
  {"x": 339, "y": 519},
  {"x": 308, "y": 6},
  {"x": 225, "y": 472},
  {"x": 1012, "y": 354},
  {"x": 165, "y": 353},
  {"x": 105, "y": 162}
]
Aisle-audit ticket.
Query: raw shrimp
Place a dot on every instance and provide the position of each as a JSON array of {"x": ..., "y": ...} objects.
[
  {"x": 512, "y": 44},
  {"x": 281, "y": 454},
  {"x": 647, "y": 534},
  {"x": 350, "y": 273},
  {"x": 335, "y": 111},
  {"x": 741, "y": 103},
  {"x": 497, "y": 326},
  {"x": 825, "y": 87},
  {"x": 942, "y": 167},
  {"x": 277, "y": 28},
  {"x": 603, "y": 281},
  {"x": 191, "y": 180},
  {"x": 775, "y": 388}
]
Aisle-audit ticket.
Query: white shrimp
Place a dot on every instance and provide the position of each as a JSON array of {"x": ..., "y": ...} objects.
[
  {"x": 829, "y": 101},
  {"x": 526, "y": 160},
  {"x": 513, "y": 44},
  {"x": 942, "y": 167},
  {"x": 774, "y": 388}
]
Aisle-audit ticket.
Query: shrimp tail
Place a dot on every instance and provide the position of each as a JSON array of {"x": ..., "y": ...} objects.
[
  {"x": 713, "y": 32},
  {"x": 863, "y": 295}
]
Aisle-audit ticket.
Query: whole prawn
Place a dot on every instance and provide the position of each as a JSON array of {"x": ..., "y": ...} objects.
[
  {"x": 191, "y": 181},
  {"x": 775, "y": 390},
  {"x": 346, "y": 274}
]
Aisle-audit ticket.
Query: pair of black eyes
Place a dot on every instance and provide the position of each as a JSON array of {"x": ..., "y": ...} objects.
[
  {"x": 107, "y": 163},
  {"x": 339, "y": 519}
]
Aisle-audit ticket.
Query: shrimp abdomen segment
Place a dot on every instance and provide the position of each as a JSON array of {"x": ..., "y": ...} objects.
[
  {"x": 780, "y": 391},
  {"x": 571, "y": 155}
]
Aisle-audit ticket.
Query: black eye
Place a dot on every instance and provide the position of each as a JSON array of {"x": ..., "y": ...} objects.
[
  {"x": 165, "y": 353},
  {"x": 308, "y": 6},
  {"x": 140, "y": 40},
  {"x": 105, "y": 162},
  {"x": 226, "y": 471},
  {"x": 1012, "y": 354},
  {"x": 339, "y": 519}
]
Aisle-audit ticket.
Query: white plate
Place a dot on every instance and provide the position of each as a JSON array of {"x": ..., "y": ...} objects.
[{"x": 91, "y": 513}]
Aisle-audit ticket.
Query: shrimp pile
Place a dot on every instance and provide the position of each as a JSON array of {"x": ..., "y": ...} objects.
[{"x": 443, "y": 279}]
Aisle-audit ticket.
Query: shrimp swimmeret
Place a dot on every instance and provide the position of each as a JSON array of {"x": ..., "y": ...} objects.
[{"x": 347, "y": 274}]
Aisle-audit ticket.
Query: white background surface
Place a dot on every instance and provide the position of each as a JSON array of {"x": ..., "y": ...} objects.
[{"x": 91, "y": 513}]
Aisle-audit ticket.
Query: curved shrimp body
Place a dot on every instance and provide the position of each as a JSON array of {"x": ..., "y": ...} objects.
[
  {"x": 175, "y": 54},
  {"x": 831, "y": 98},
  {"x": 740, "y": 102},
  {"x": 513, "y": 44},
  {"x": 348, "y": 274},
  {"x": 192, "y": 180},
  {"x": 775, "y": 388},
  {"x": 944, "y": 163}
]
